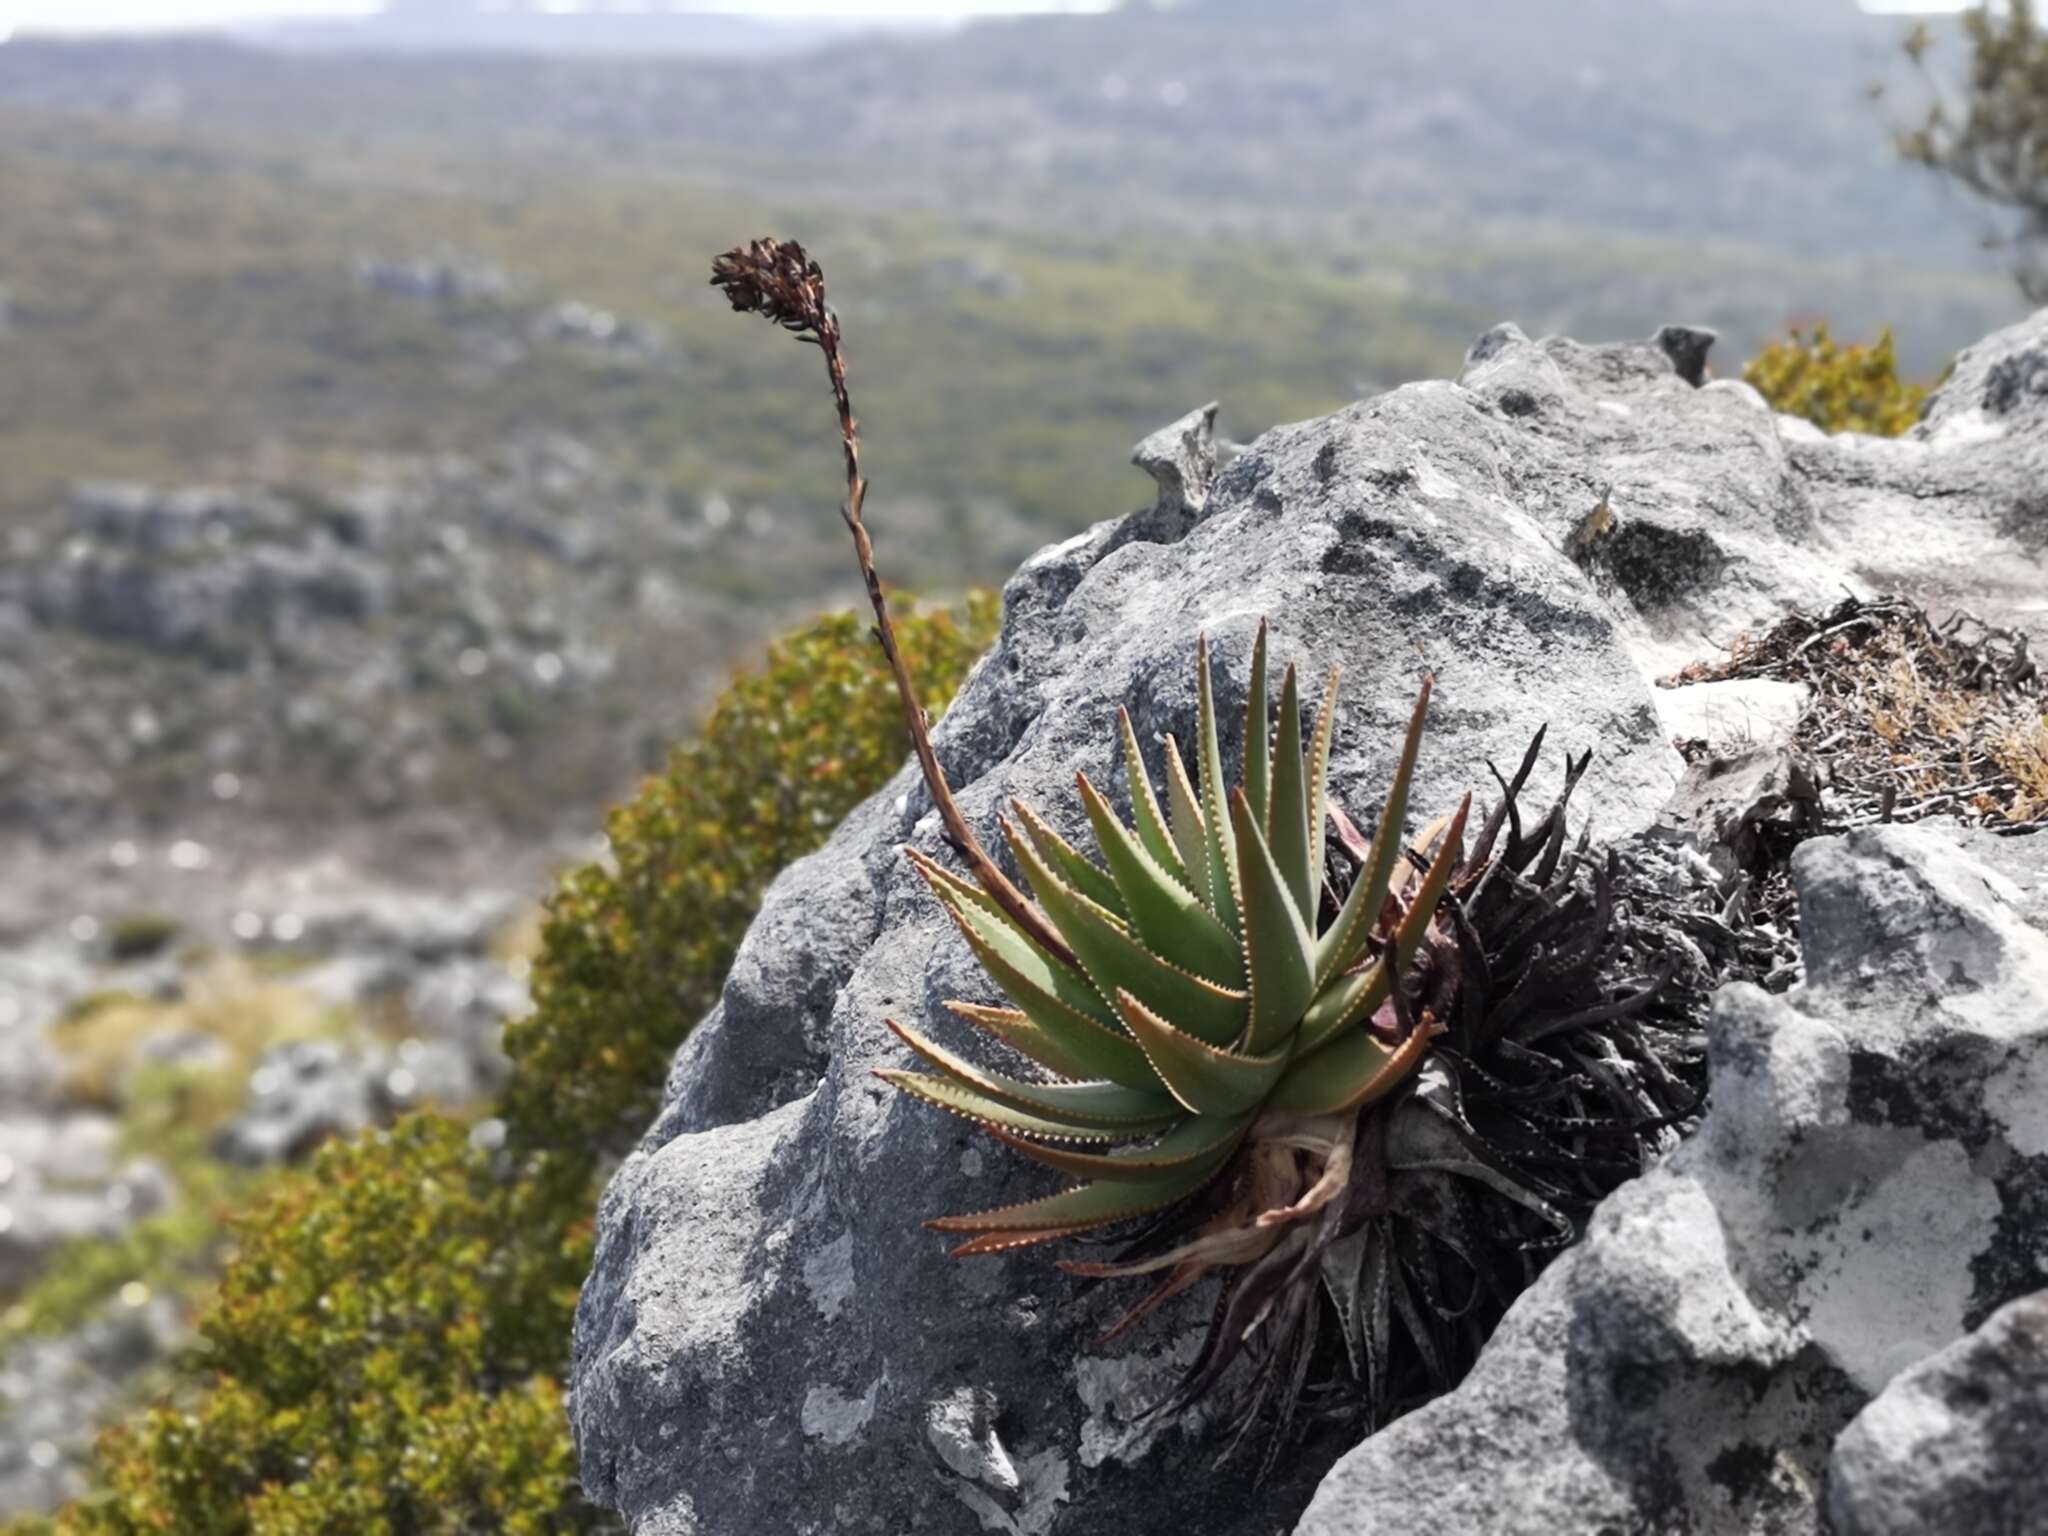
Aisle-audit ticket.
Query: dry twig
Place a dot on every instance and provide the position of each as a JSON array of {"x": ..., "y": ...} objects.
[{"x": 1909, "y": 718}]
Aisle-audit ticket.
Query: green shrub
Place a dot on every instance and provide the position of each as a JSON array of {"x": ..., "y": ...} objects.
[
  {"x": 1837, "y": 388},
  {"x": 139, "y": 935},
  {"x": 384, "y": 1353},
  {"x": 382, "y": 1358},
  {"x": 634, "y": 950}
]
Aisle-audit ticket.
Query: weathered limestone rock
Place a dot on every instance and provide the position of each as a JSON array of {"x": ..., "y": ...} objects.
[
  {"x": 768, "y": 1341},
  {"x": 1954, "y": 1444},
  {"x": 1870, "y": 1182}
]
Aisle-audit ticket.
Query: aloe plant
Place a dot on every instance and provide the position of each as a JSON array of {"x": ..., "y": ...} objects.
[{"x": 1208, "y": 1008}]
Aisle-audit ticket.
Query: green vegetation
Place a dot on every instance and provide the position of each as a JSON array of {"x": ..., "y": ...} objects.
[
  {"x": 190, "y": 310},
  {"x": 385, "y": 1349},
  {"x": 170, "y": 1112},
  {"x": 634, "y": 950},
  {"x": 1838, "y": 388},
  {"x": 1994, "y": 145},
  {"x": 381, "y": 1358}
]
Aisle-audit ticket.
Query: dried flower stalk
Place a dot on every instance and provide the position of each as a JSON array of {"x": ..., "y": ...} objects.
[{"x": 778, "y": 279}]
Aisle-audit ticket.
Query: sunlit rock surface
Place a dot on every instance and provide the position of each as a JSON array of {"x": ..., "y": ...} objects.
[
  {"x": 1871, "y": 1182},
  {"x": 769, "y": 1341}
]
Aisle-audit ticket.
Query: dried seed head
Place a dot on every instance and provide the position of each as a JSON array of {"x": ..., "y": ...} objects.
[{"x": 778, "y": 279}]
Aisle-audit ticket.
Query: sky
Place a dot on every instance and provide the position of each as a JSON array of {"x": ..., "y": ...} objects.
[
  {"x": 96, "y": 15},
  {"x": 150, "y": 15}
]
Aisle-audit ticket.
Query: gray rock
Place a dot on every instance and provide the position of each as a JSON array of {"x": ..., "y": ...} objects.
[
  {"x": 299, "y": 1095},
  {"x": 155, "y": 521},
  {"x": 443, "y": 277},
  {"x": 1952, "y": 514},
  {"x": 1729, "y": 806},
  {"x": 57, "y": 1393},
  {"x": 463, "y": 1005},
  {"x": 1687, "y": 346},
  {"x": 211, "y": 603},
  {"x": 1867, "y": 1185},
  {"x": 1181, "y": 459},
  {"x": 62, "y": 1180},
  {"x": 1738, "y": 715},
  {"x": 1708, "y": 529},
  {"x": 1954, "y": 1444},
  {"x": 421, "y": 926},
  {"x": 768, "y": 1342},
  {"x": 1384, "y": 538},
  {"x": 309, "y": 1090}
]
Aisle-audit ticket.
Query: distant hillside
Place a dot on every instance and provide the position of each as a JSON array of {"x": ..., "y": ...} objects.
[
  {"x": 536, "y": 26},
  {"x": 1737, "y": 120},
  {"x": 438, "y": 469}
]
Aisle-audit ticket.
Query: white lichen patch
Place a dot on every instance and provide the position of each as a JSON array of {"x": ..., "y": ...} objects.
[
  {"x": 828, "y": 1275},
  {"x": 1890, "y": 1279},
  {"x": 2017, "y": 1097},
  {"x": 831, "y": 1416},
  {"x": 1118, "y": 1392}
]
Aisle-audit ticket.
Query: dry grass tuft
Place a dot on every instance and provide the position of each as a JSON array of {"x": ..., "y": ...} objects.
[{"x": 1911, "y": 719}]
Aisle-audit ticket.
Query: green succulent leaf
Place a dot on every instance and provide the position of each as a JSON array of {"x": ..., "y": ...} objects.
[
  {"x": 1286, "y": 823},
  {"x": 1091, "y": 1205},
  {"x": 1074, "y": 1047},
  {"x": 1116, "y": 960},
  {"x": 1195, "y": 1140},
  {"x": 1319, "y": 791},
  {"x": 1344, "y": 940},
  {"x": 1205, "y": 1079},
  {"x": 1190, "y": 834},
  {"x": 1280, "y": 951},
  {"x": 1187, "y": 993},
  {"x": 944, "y": 1093},
  {"x": 1356, "y": 995},
  {"x": 1107, "y": 1105},
  {"x": 1351, "y": 1070},
  {"x": 1223, "y": 890},
  {"x": 1073, "y": 866},
  {"x": 1152, "y": 828},
  {"x": 1258, "y": 733},
  {"x": 1034, "y": 980},
  {"x": 1165, "y": 913}
]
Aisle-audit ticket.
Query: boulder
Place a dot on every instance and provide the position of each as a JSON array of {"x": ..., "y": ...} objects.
[
  {"x": 305, "y": 1092},
  {"x": 1953, "y": 514},
  {"x": 299, "y": 1095},
  {"x": 1868, "y": 1184},
  {"x": 768, "y": 1341},
  {"x": 1954, "y": 1444},
  {"x": 63, "y": 1181}
]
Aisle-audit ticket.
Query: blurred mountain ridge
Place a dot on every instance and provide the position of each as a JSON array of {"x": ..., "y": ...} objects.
[{"x": 1743, "y": 120}]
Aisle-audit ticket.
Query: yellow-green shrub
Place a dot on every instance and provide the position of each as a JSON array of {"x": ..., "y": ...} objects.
[
  {"x": 635, "y": 950},
  {"x": 1837, "y": 388},
  {"x": 382, "y": 1358}
]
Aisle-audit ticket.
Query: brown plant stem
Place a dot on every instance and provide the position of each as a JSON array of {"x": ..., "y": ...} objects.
[{"x": 776, "y": 278}]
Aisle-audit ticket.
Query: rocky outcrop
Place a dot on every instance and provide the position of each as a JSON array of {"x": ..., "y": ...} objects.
[
  {"x": 1952, "y": 514},
  {"x": 1954, "y": 1444},
  {"x": 359, "y": 965},
  {"x": 768, "y": 1341},
  {"x": 1867, "y": 1185},
  {"x": 57, "y": 1393}
]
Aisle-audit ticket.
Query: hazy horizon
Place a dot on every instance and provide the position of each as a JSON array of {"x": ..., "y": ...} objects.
[{"x": 82, "y": 16}]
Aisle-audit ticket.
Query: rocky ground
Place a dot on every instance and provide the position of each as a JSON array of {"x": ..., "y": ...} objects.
[
  {"x": 1794, "y": 1320},
  {"x": 327, "y": 654},
  {"x": 153, "y": 1066}
]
